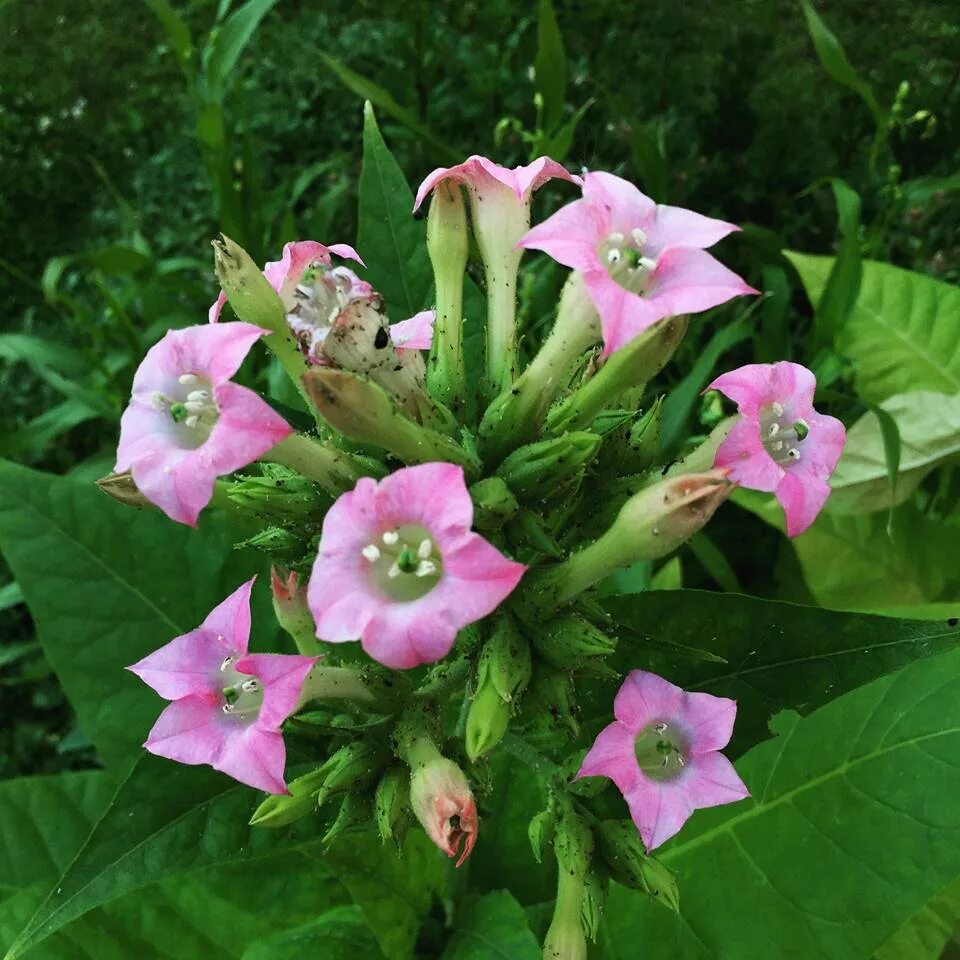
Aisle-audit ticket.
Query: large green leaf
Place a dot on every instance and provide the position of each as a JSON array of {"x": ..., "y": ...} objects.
[
  {"x": 871, "y": 562},
  {"x": 926, "y": 933},
  {"x": 390, "y": 240},
  {"x": 106, "y": 584},
  {"x": 339, "y": 934},
  {"x": 852, "y": 827},
  {"x": 767, "y": 656},
  {"x": 929, "y": 425},
  {"x": 902, "y": 334},
  {"x": 492, "y": 928}
]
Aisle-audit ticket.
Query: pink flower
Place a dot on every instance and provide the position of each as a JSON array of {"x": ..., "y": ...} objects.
[
  {"x": 662, "y": 752},
  {"x": 443, "y": 802},
  {"x": 315, "y": 294},
  {"x": 399, "y": 568},
  {"x": 226, "y": 705},
  {"x": 486, "y": 179},
  {"x": 641, "y": 261},
  {"x": 187, "y": 424},
  {"x": 780, "y": 443}
]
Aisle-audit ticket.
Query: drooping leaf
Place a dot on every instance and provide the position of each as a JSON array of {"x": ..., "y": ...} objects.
[
  {"x": 929, "y": 426},
  {"x": 106, "y": 584},
  {"x": 766, "y": 655},
  {"x": 852, "y": 827},
  {"x": 902, "y": 334},
  {"x": 230, "y": 42},
  {"x": 492, "y": 928},
  {"x": 550, "y": 65},
  {"x": 391, "y": 241}
]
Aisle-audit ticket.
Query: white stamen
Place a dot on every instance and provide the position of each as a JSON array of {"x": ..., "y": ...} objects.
[
  {"x": 192, "y": 420},
  {"x": 198, "y": 396},
  {"x": 372, "y": 552},
  {"x": 194, "y": 406},
  {"x": 680, "y": 759},
  {"x": 660, "y": 727},
  {"x": 226, "y": 664},
  {"x": 425, "y": 549},
  {"x": 390, "y": 537},
  {"x": 776, "y": 445},
  {"x": 188, "y": 379},
  {"x": 228, "y": 708},
  {"x": 773, "y": 430},
  {"x": 394, "y": 571},
  {"x": 250, "y": 686},
  {"x": 425, "y": 568},
  {"x": 793, "y": 453},
  {"x": 616, "y": 238},
  {"x": 777, "y": 409},
  {"x": 613, "y": 256},
  {"x": 304, "y": 292},
  {"x": 639, "y": 237},
  {"x": 647, "y": 263},
  {"x": 159, "y": 401}
]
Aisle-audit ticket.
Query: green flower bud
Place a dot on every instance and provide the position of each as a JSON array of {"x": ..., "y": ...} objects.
[
  {"x": 493, "y": 503},
  {"x": 277, "y": 541},
  {"x": 573, "y": 846},
  {"x": 540, "y": 832},
  {"x": 248, "y": 290},
  {"x": 361, "y": 410},
  {"x": 354, "y": 813},
  {"x": 644, "y": 439},
  {"x": 595, "y": 887},
  {"x": 534, "y": 471},
  {"x": 552, "y": 699},
  {"x": 292, "y": 613},
  {"x": 353, "y": 765},
  {"x": 279, "y": 492},
  {"x": 391, "y": 805},
  {"x": 279, "y": 810},
  {"x": 622, "y": 850},
  {"x": 566, "y": 641},
  {"x": 487, "y": 721}
]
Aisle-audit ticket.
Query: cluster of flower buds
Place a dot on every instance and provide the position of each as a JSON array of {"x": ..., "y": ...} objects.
[{"x": 374, "y": 515}]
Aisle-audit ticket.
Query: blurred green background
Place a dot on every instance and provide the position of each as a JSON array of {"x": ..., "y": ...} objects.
[{"x": 130, "y": 133}]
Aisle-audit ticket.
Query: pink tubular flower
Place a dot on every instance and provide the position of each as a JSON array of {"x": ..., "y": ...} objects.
[
  {"x": 641, "y": 261},
  {"x": 187, "y": 424},
  {"x": 662, "y": 752},
  {"x": 399, "y": 568},
  {"x": 315, "y": 293},
  {"x": 226, "y": 705},
  {"x": 780, "y": 443},
  {"x": 443, "y": 803}
]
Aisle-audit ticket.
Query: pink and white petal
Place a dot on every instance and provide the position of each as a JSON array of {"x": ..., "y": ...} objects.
[
  {"x": 476, "y": 579},
  {"x": 342, "y": 600},
  {"x": 743, "y": 453},
  {"x": 217, "y": 350},
  {"x": 659, "y": 810},
  {"x": 415, "y": 333},
  {"x": 802, "y": 497},
  {"x": 281, "y": 676},
  {"x": 296, "y": 257},
  {"x": 351, "y": 523},
  {"x": 824, "y": 443},
  {"x": 571, "y": 236},
  {"x": 677, "y": 227},
  {"x": 254, "y": 756},
  {"x": 216, "y": 308},
  {"x": 645, "y": 698},
  {"x": 793, "y": 386},
  {"x": 345, "y": 251},
  {"x": 246, "y": 429},
  {"x": 691, "y": 281},
  {"x": 403, "y": 636},
  {"x": 432, "y": 494},
  {"x": 623, "y": 315},
  {"x": 230, "y": 618},
  {"x": 624, "y": 206},
  {"x": 160, "y": 367},
  {"x": 435, "y": 177},
  {"x": 707, "y": 721},
  {"x": 143, "y": 430},
  {"x": 179, "y": 482},
  {"x": 525, "y": 180},
  {"x": 187, "y": 665},
  {"x": 749, "y": 387},
  {"x": 612, "y": 755},
  {"x": 190, "y": 730},
  {"x": 711, "y": 780}
]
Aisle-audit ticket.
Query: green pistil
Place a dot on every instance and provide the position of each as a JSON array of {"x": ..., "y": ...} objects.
[
  {"x": 231, "y": 695},
  {"x": 802, "y": 430},
  {"x": 179, "y": 412},
  {"x": 631, "y": 256},
  {"x": 407, "y": 560}
]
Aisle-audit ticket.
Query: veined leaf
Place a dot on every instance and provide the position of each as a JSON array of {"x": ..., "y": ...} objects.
[
  {"x": 339, "y": 934},
  {"x": 929, "y": 425},
  {"x": 926, "y": 933},
  {"x": 903, "y": 333},
  {"x": 107, "y": 584},
  {"x": 852, "y": 828},
  {"x": 392, "y": 243},
  {"x": 492, "y": 928},
  {"x": 768, "y": 656}
]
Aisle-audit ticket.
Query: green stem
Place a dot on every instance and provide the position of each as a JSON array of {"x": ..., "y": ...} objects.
[
  {"x": 501, "y": 360},
  {"x": 339, "y": 683},
  {"x": 334, "y": 470}
]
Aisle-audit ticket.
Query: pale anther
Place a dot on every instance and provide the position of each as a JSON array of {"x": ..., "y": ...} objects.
[
  {"x": 394, "y": 571},
  {"x": 773, "y": 430},
  {"x": 647, "y": 263},
  {"x": 793, "y": 453},
  {"x": 777, "y": 409},
  {"x": 226, "y": 664},
  {"x": 390, "y": 537},
  {"x": 192, "y": 420},
  {"x": 613, "y": 256},
  {"x": 228, "y": 708},
  {"x": 425, "y": 549},
  {"x": 425, "y": 568},
  {"x": 198, "y": 396},
  {"x": 194, "y": 406},
  {"x": 616, "y": 238},
  {"x": 188, "y": 379},
  {"x": 660, "y": 727},
  {"x": 639, "y": 237},
  {"x": 250, "y": 686},
  {"x": 372, "y": 552}
]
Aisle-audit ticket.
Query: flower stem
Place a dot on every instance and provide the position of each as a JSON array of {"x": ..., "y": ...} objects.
[
  {"x": 334, "y": 470},
  {"x": 343, "y": 683},
  {"x": 501, "y": 276}
]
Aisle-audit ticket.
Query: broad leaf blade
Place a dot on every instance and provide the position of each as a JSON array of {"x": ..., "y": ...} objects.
[
  {"x": 853, "y": 826},
  {"x": 492, "y": 928}
]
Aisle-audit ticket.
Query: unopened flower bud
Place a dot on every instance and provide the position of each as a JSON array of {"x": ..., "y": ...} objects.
[
  {"x": 280, "y": 809},
  {"x": 629, "y": 367},
  {"x": 290, "y": 607},
  {"x": 391, "y": 805},
  {"x": 121, "y": 487},
  {"x": 354, "y": 765},
  {"x": 276, "y": 541},
  {"x": 361, "y": 410},
  {"x": 441, "y": 799},
  {"x": 652, "y": 523},
  {"x": 248, "y": 290},
  {"x": 552, "y": 699},
  {"x": 540, "y": 832},
  {"x": 621, "y": 848},
  {"x": 567, "y": 641},
  {"x": 279, "y": 492},
  {"x": 535, "y": 471},
  {"x": 354, "y": 813},
  {"x": 493, "y": 503}
]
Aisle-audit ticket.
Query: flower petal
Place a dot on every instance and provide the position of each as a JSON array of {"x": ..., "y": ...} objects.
[
  {"x": 691, "y": 281},
  {"x": 711, "y": 780},
  {"x": 743, "y": 453},
  {"x": 612, "y": 755},
  {"x": 256, "y": 757},
  {"x": 645, "y": 698},
  {"x": 707, "y": 721},
  {"x": 625, "y": 207},
  {"x": 658, "y": 809},
  {"x": 802, "y": 498},
  {"x": 187, "y": 665},
  {"x": 281, "y": 676},
  {"x": 179, "y": 482},
  {"x": 432, "y": 494},
  {"x": 571, "y": 236},
  {"x": 677, "y": 227},
  {"x": 231, "y": 619},
  {"x": 415, "y": 333},
  {"x": 402, "y": 636},
  {"x": 749, "y": 387},
  {"x": 623, "y": 315},
  {"x": 246, "y": 429},
  {"x": 476, "y": 579}
]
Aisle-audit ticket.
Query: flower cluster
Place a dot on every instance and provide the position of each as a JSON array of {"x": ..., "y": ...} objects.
[{"x": 377, "y": 510}]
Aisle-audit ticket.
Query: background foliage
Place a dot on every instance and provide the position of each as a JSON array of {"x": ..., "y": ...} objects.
[{"x": 127, "y": 141}]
